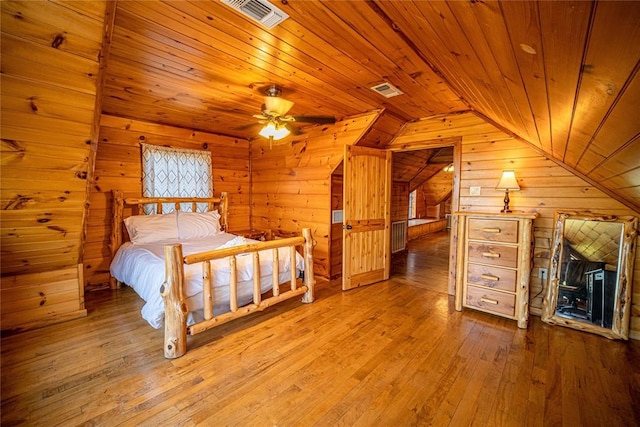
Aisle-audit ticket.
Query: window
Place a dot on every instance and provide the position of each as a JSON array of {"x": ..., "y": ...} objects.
[
  {"x": 412, "y": 204},
  {"x": 172, "y": 172}
]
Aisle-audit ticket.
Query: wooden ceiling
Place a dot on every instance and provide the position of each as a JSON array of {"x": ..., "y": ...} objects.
[
  {"x": 416, "y": 167},
  {"x": 561, "y": 75},
  {"x": 596, "y": 241}
]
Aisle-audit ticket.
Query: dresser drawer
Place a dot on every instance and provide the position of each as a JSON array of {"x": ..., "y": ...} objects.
[
  {"x": 492, "y": 277},
  {"x": 495, "y": 230},
  {"x": 494, "y": 301},
  {"x": 500, "y": 255}
]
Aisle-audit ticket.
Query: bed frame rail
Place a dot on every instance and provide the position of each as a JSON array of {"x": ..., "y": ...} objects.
[{"x": 175, "y": 321}]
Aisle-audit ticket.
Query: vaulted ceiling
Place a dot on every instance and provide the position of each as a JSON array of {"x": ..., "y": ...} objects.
[{"x": 560, "y": 75}]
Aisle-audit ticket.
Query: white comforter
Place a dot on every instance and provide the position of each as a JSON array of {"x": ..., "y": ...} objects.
[{"x": 141, "y": 266}]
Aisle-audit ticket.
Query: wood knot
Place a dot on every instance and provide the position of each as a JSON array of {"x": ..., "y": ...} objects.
[
  {"x": 32, "y": 104},
  {"x": 18, "y": 202},
  {"x": 14, "y": 145},
  {"x": 43, "y": 299},
  {"x": 58, "y": 229},
  {"x": 57, "y": 41}
]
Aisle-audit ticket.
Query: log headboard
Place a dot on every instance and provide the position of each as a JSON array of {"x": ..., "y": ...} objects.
[{"x": 136, "y": 205}]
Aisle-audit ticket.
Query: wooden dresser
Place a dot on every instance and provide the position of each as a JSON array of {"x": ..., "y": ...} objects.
[{"x": 493, "y": 265}]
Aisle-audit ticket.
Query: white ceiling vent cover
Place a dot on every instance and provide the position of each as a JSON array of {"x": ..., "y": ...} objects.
[
  {"x": 259, "y": 10},
  {"x": 387, "y": 90}
]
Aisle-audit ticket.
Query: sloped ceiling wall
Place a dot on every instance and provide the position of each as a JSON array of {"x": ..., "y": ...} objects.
[{"x": 561, "y": 75}]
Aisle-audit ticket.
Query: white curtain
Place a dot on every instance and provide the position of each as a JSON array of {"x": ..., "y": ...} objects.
[{"x": 174, "y": 172}]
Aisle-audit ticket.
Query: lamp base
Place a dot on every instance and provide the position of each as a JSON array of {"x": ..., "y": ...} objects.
[{"x": 506, "y": 202}]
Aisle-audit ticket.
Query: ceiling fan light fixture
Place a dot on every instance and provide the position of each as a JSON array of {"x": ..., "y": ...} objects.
[
  {"x": 277, "y": 106},
  {"x": 273, "y": 131}
]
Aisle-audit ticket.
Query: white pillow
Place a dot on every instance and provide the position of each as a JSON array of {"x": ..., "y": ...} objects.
[
  {"x": 192, "y": 225},
  {"x": 152, "y": 228}
]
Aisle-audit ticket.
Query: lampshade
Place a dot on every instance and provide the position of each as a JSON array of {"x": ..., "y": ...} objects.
[
  {"x": 273, "y": 131},
  {"x": 508, "y": 181}
]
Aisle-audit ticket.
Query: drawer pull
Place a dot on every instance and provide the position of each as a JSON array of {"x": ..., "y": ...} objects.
[
  {"x": 490, "y": 277},
  {"x": 490, "y": 255},
  {"x": 489, "y": 301},
  {"x": 491, "y": 230}
]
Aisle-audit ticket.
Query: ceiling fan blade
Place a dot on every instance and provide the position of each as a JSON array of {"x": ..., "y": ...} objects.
[
  {"x": 293, "y": 129},
  {"x": 248, "y": 126},
  {"x": 276, "y": 105},
  {"x": 314, "y": 119}
]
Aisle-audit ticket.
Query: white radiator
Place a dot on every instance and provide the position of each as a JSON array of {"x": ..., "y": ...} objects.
[{"x": 398, "y": 236}]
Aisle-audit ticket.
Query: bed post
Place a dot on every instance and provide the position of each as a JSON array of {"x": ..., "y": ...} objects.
[
  {"x": 117, "y": 207},
  {"x": 223, "y": 210},
  {"x": 175, "y": 307},
  {"x": 309, "y": 278}
]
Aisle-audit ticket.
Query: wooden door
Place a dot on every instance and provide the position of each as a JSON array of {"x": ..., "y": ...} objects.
[{"x": 366, "y": 255}]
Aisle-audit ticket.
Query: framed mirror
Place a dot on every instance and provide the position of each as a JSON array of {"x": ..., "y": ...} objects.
[{"x": 591, "y": 273}]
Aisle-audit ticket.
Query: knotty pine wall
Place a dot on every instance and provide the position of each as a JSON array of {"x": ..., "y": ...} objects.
[
  {"x": 337, "y": 192},
  {"x": 384, "y": 129},
  {"x": 292, "y": 184},
  {"x": 118, "y": 166},
  {"x": 399, "y": 201},
  {"x": 545, "y": 186},
  {"x": 49, "y": 86},
  {"x": 432, "y": 193}
]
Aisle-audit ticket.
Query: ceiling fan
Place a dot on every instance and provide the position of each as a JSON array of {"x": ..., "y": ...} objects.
[{"x": 277, "y": 124}]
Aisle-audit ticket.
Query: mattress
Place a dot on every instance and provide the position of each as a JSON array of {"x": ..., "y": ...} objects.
[{"x": 142, "y": 267}]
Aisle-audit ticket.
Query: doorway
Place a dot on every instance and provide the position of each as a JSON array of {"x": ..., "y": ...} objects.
[
  {"x": 438, "y": 162},
  {"x": 420, "y": 152}
]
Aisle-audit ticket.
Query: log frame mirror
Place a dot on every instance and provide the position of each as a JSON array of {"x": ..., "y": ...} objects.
[{"x": 591, "y": 273}]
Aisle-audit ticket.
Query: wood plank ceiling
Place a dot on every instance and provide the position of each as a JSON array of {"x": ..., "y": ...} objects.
[{"x": 561, "y": 75}]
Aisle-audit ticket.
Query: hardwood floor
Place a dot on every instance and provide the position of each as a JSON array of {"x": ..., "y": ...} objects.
[
  {"x": 391, "y": 354},
  {"x": 426, "y": 264}
]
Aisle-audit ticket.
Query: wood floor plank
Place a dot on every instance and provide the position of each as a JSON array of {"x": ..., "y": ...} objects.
[{"x": 392, "y": 353}]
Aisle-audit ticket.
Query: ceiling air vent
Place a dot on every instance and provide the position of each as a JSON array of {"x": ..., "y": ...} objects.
[
  {"x": 387, "y": 90},
  {"x": 259, "y": 10}
]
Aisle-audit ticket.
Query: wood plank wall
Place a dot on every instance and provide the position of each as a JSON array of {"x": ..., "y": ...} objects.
[
  {"x": 400, "y": 201},
  {"x": 292, "y": 181},
  {"x": 118, "y": 166},
  {"x": 545, "y": 186},
  {"x": 383, "y": 131},
  {"x": 337, "y": 193},
  {"x": 50, "y": 63},
  {"x": 432, "y": 195}
]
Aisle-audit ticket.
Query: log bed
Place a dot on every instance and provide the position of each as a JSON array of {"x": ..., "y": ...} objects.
[{"x": 173, "y": 288}]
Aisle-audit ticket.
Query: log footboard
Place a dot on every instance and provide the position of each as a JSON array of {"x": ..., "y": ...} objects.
[{"x": 175, "y": 320}]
